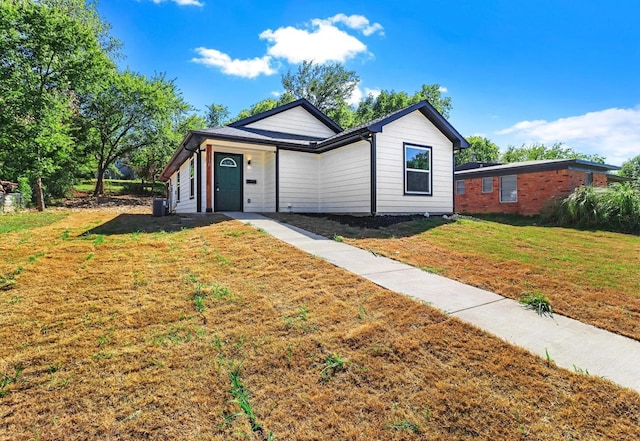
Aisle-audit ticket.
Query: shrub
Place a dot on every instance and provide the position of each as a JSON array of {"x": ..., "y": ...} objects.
[
  {"x": 24, "y": 188},
  {"x": 615, "y": 208}
]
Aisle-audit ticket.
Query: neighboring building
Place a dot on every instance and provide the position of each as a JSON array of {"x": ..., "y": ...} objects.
[
  {"x": 525, "y": 187},
  {"x": 295, "y": 159}
]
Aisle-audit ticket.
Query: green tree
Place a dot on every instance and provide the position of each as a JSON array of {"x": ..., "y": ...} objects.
[
  {"x": 631, "y": 169},
  {"x": 50, "y": 50},
  {"x": 326, "y": 86},
  {"x": 480, "y": 149},
  {"x": 389, "y": 101},
  {"x": 217, "y": 115},
  {"x": 537, "y": 151},
  {"x": 149, "y": 161},
  {"x": 127, "y": 113}
]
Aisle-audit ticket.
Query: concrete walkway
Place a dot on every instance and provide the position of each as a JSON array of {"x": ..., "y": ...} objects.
[{"x": 571, "y": 344}]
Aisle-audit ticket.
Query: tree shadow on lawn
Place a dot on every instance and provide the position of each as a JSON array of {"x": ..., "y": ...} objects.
[{"x": 146, "y": 223}]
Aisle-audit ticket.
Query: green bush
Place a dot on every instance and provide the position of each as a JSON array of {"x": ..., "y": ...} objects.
[
  {"x": 24, "y": 188},
  {"x": 614, "y": 208}
]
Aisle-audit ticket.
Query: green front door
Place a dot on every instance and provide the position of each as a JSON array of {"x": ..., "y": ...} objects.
[{"x": 228, "y": 182}]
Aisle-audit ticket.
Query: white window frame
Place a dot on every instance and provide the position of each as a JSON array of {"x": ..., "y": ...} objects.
[
  {"x": 406, "y": 170},
  {"x": 178, "y": 187},
  {"x": 514, "y": 192},
  {"x": 460, "y": 187},
  {"x": 228, "y": 162},
  {"x": 490, "y": 181}
]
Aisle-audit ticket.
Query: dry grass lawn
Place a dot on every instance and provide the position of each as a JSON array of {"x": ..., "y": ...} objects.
[
  {"x": 591, "y": 276},
  {"x": 117, "y": 325}
]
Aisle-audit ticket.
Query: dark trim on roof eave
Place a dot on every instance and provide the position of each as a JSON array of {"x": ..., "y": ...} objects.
[
  {"x": 300, "y": 102},
  {"x": 532, "y": 168},
  {"x": 432, "y": 114}
]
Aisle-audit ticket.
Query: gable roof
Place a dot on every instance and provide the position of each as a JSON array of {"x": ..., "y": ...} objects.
[
  {"x": 238, "y": 131},
  {"x": 305, "y": 104},
  {"x": 375, "y": 126},
  {"x": 535, "y": 166}
]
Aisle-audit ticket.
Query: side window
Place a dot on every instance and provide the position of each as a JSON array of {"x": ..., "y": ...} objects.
[
  {"x": 487, "y": 185},
  {"x": 460, "y": 186},
  {"x": 417, "y": 169},
  {"x": 509, "y": 188},
  {"x": 588, "y": 179},
  {"x": 192, "y": 177},
  {"x": 178, "y": 187}
]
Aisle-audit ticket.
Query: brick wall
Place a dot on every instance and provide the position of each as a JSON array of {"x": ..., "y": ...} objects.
[{"x": 535, "y": 191}]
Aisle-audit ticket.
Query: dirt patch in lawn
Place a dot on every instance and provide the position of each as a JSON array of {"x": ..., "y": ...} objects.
[
  {"x": 219, "y": 331},
  {"x": 591, "y": 276}
]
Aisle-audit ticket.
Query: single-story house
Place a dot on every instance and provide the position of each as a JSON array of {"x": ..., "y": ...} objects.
[
  {"x": 293, "y": 158},
  {"x": 525, "y": 187}
]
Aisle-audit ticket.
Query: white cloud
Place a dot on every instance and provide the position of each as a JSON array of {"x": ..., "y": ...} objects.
[
  {"x": 181, "y": 2},
  {"x": 613, "y": 133},
  {"x": 276, "y": 94},
  {"x": 358, "y": 22},
  {"x": 322, "y": 43},
  {"x": 242, "y": 68},
  {"x": 358, "y": 94},
  {"x": 443, "y": 89}
]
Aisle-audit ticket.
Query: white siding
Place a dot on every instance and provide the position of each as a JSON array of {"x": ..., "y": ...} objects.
[
  {"x": 413, "y": 128},
  {"x": 299, "y": 182},
  {"x": 345, "y": 183},
  {"x": 297, "y": 121},
  {"x": 186, "y": 204}
]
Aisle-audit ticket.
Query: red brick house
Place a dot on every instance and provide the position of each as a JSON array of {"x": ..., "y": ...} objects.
[{"x": 525, "y": 188}]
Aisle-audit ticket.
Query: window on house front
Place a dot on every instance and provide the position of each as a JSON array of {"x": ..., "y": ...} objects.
[
  {"x": 509, "y": 188},
  {"x": 178, "y": 187},
  {"x": 588, "y": 179},
  {"x": 487, "y": 185},
  {"x": 228, "y": 162},
  {"x": 417, "y": 169},
  {"x": 460, "y": 186},
  {"x": 192, "y": 178}
]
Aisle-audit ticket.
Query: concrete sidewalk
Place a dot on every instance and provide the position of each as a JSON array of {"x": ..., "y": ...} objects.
[{"x": 571, "y": 344}]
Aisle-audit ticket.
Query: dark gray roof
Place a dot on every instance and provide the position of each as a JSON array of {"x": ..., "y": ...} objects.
[
  {"x": 237, "y": 131},
  {"x": 535, "y": 166}
]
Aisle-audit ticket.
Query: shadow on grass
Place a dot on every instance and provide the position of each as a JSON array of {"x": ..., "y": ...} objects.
[
  {"x": 146, "y": 223},
  {"x": 360, "y": 227}
]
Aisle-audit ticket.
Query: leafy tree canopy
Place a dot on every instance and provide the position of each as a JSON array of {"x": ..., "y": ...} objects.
[
  {"x": 540, "y": 151},
  {"x": 217, "y": 115},
  {"x": 631, "y": 169},
  {"x": 480, "y": 150},
  {"x": 50, "y": 51}
]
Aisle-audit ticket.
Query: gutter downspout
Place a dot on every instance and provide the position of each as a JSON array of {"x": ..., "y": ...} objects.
[{"x": 371, "y": 139}]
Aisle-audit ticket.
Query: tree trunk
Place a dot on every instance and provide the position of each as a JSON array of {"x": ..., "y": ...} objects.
[
  {"x": 39, "y": 195},
  {"x": 99, "y": 190}
]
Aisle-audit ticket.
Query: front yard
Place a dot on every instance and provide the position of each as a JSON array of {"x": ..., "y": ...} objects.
[
  {"x": 591, "y": 276},
  {"x": 118, "y": 325}
]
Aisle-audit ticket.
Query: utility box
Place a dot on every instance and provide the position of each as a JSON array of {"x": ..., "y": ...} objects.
[{"x": 159, "y": 207}]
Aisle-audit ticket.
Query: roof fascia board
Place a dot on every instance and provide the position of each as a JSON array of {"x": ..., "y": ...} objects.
[{"x": 301, "y": 102}]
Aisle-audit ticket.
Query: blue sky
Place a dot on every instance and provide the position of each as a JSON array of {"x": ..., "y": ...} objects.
[{"x": 517, "y": 71}]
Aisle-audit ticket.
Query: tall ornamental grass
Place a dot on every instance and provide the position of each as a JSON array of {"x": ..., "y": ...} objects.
[{"x": 614, "y": 208}]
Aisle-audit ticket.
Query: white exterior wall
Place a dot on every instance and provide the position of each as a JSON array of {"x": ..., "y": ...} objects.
[
  {"x": 296, "y": 121},
  {"x": 186, "y": 204},
  {"x": 345, "y": 179},
  {"x": 417, "y": 129},
  {"x": 299, "y": 182}
]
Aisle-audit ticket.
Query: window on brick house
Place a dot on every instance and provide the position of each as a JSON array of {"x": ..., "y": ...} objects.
[
  {"x": 509, "y": 188},
  {"x": 460, "y": 186},
  {"x": 588, "y": 179},
  {"x": 487, "y": 185}
]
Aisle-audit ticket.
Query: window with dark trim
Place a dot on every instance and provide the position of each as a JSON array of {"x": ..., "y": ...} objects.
[
  {"x": 178, "y": 187},
  {"x": 487, "y": 185},
  {"x": 509, "y": 188},
  {"x": 588, "y": 179},
  {"x": 417, "y": 169},
  {"x": 460, "y": 186},
  {"x": 192, "y": 178}
]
